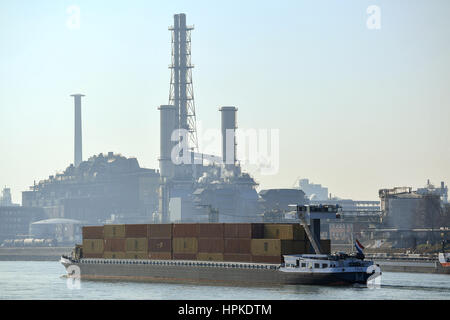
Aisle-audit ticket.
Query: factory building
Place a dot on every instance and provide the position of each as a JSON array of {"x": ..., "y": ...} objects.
[
  {"x": 15, "y": 221},
  {"x": 430, "y": 189},
  {"x": 313, "y": 191},
  {"x": 6, "y": 199},
  {"x": 63, "y": 231},
  {"x": 105, "y": 187},
  {"x": 403, "y": 208},
  {"x": 279, "y": 199}
]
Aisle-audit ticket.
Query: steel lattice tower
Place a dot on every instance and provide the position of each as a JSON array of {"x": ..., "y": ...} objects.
[{"x": 181, "y": 87}]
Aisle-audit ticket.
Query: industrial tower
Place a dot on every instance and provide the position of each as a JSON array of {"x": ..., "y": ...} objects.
[
  {"x": 78, "y": 144},
  {"x": 181, "y": 88}
]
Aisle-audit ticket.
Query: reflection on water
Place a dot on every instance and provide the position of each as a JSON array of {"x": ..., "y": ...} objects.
[{"x": 47, "y": 280}]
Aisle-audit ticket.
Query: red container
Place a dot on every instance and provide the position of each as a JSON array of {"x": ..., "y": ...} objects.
[
  {"x": 236, "y": 257},
  {"x": 244, "y": 230},
  {"x": 160, "y": 255},
  {"x": 93, "y": 232},
  {"x": 211, "y": 245},
  {"x": 115, "y": 245},
  {"x": 185, "y": 230},
  {"x": 210, "y": 230},
  {"x": 267, "y": 259},
  {"x": 159, "y": 231},
  {"x": 184, "y": 256},
  {"x": 136, "y": 230},
  {"x": 160, "y": 245},
  {"x": 241, "y": 246}
]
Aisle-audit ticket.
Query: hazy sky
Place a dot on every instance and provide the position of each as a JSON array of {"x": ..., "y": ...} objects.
[{"x": 357, "y": 109}]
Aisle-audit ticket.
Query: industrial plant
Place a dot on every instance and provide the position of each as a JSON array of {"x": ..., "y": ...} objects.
[{"x": 191, "y": 186}]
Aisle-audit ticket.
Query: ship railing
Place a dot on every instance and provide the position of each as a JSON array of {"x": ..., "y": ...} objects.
[{"x": 181, "y": 263}]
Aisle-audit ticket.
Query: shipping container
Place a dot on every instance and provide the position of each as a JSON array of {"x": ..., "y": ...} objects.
[
  {"x": 237, "y": 245},
  {"x": 274, "y": 247},
  {"x": 159, "y": 231},
  {"x": 244, "y": 230},
  {"x": 136, "y": 230},
  {"x": 211, "y": 245},
  {"x": 137, "y": 244},
  {"x": 160, "y": 255},
  {"x": 93, "y": 246},
  {"x": 203, "y": 256},
  {"x": 284, "y": 231},
  {"x": 160, "y": 245},
  {"x": 114, "y": 231},
  {"x": 115, "y": 245},
  {"x": 114, "y": 255},
  {"x": 92, "y": 232},
  {"x": 210, "y": 230},
  {"x": 185, "y": 230},
  {"x": 325, "y": 246},
  {"x": 236, "y": 257},
  {"x": 140, "y": 255},
  {"x": 184, "y": 256},
  {"x": 185, "y": 245},
  {"x": 294, "y": 246},
  {"x": 267, "y": 259},
  {"x": 93, "y": 255}
]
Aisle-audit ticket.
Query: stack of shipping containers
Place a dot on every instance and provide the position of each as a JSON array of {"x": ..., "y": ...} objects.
[
  {"x": 234, "y": 242},
  {"x": 185, "y": 241},
  {"x": 136, "y": 245},
  {"x": 238, "y": 240},
  {"x": 159, "y": 241},
  {"x": 115, "y": 242},
  {"x": 210, "y": 242},
  {"x": 93, "y": 245},
  {"x": 279, "y": 239}
]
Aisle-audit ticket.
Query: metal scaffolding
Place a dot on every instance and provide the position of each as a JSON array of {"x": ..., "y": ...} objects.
[{"x": 181, "y": 93}]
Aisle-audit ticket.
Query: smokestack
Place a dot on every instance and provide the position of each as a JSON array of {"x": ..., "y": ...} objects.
[
  {"x": 229, "y": 135},
  {"x": 168, "y": 124},
  {"x": 78, "y": 152}
]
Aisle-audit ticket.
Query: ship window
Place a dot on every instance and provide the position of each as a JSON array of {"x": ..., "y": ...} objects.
[
  {"x": 303, "y": 265},
  {"x": 324, "y": 265},
  {"x": 316, "y": 265}
]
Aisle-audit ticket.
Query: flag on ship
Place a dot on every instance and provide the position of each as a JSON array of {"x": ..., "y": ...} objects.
[{"x": 359, "y": 246}]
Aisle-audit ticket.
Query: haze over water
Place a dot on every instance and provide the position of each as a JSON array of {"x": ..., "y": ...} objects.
[{"x": 45, "y": 280}]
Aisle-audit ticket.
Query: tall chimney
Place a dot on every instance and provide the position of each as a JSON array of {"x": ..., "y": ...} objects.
[
  {"x": 167, "y": 125},
  {"x": 229, "y": 135},
  {"x": 78, "y": 146}
]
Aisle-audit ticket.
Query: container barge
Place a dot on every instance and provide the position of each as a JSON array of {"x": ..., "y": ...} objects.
[{"x": 230, "y": 253}]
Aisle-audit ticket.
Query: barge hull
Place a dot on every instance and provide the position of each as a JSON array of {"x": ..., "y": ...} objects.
[{"x": 181, "y": 273}]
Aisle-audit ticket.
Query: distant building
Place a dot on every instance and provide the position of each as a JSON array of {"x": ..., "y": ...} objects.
[
  {"x": 6, "y": 200},
  {"x": 102, "y": 187},
  {"x": 15, "y": 221},
  {"x": 280, "y": 199},
  {"x": 404, "y": 208},
  {"x": 64, "y": 231},
  {"x": 313, "y": 191},
  {"x": 441, "y": 191},
  {"x": 274, "y": 203}
]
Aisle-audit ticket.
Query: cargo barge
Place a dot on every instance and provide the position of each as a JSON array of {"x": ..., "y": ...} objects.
[
  {"x": 298, "y": 269},
  {"x": 254, "y": 253}
]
